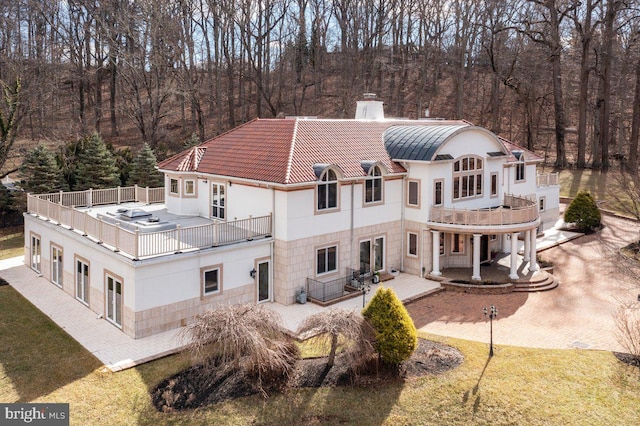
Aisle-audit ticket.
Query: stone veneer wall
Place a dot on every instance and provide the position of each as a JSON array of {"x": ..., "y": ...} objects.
[
  {"x": 174, "y": 315},
  {"x": 425, "y": 238},
  {"x": 295, "y": 260}
]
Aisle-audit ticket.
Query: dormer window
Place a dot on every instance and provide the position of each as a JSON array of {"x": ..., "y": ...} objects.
[
  {"x": 373, "y": 186},
  {"x": 467, "y": 177},
  {"x": 328, "y": 190}
]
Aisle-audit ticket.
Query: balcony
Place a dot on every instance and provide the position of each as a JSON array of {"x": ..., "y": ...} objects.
[
  {"x": 547, "y": 179},
  {"x": 88, "y": 212},
  {"x": 514, "y": 211}
]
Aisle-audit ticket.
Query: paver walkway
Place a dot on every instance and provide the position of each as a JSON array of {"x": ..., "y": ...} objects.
[{"x": 577, "y": 314}]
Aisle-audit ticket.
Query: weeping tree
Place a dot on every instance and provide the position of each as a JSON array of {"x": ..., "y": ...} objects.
[
  {"x": 247, "y": 338},
  {"x": 340, "y": 329},
  {"x": 40, "y": 173},
  {"x": 144, "y": 171}
]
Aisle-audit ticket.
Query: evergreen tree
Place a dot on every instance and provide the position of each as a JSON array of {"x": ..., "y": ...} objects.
[
  {"x": 583, "y": 212},
  {"x": 40, "y": 172},
  {"x": 396, "y": 335},
  {"x": 96, "y": 166},
  {"x": 143, "y": 170},
  {"x": 193, "y": 140}
]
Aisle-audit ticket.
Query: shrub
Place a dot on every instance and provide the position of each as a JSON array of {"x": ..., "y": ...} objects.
[
  {"x": 583, "y": 212},
  {"x": 396, "y": 335},
  {"x": 95, "y": 166},
  {"x": 144, "y": 171}
]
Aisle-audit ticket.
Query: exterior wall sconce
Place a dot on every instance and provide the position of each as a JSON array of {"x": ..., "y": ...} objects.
[{"x": 252, "y": 273}]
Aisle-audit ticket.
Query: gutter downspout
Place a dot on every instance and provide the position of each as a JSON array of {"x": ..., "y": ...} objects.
[
  {"x": 423, "y": 251},
  {"x": 272, "y": 271},
  {"x": 402, "y": 224},
  {"x": 351, "y": 227}
]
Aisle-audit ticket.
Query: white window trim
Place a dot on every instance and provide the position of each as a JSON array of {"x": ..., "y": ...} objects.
[
  {"x": 222, "y": 206},
  {"x": 119, "y": 279},
  {"x": 193, "y": 193},
  {"x": 325, "y": 183},
  {"x": 54, "y": 278},
  {"x": 476, "y": 172},
  {"x": 177, "y": 191},
  {"x": 453, "y": 236},
  {"x": 542, "y": 204},
  {"x": 435, "y": 183},
  {"x": 491, "y": 194},
  {"x": 86, "y": 263},
  {"x": 371, "y": 178}
]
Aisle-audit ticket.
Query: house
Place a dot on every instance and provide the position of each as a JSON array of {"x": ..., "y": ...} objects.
[{"x": 277, "y": 205}]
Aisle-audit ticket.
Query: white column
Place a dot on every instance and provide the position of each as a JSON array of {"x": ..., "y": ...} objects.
[
  {"x": 476, "y": 257},
  {"x": 435, "y": 253},
  {"x": 527, "y": 245},
  {"x": 506, "y": 246},
  {"x": 514, "y": 256},
  {"x": 533, "y": 263}
]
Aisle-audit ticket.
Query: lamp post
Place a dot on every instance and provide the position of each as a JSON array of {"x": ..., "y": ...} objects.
[
  {"x": 366, "y": 288},
  {"x": 492, "y": 312}
]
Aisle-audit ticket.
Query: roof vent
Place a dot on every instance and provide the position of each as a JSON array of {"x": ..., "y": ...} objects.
[{"x": 369, "y": 108}]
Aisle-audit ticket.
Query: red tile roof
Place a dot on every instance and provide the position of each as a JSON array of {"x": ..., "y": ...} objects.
[{"x": 285, "y": 150}]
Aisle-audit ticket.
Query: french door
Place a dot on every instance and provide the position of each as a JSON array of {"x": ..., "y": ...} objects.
[
  {"x": 114, "y": 300},
  {"x": 372, "y": 255},
  {"x": 264, "y": 284}
]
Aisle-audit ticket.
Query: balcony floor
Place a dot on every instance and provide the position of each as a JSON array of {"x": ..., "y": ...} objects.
[{"x": 157, "y": 210}]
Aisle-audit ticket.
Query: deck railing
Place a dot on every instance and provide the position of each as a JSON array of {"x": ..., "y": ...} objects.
[
  {"x": 96, "y": 197},
  {"x": 547, "y": 179},
  {"x": 142, "y": 244},
  {"x": 515, "y": 210}
]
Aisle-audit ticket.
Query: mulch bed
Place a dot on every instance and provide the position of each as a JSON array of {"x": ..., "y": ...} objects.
[{"x": 195, "y": 387}]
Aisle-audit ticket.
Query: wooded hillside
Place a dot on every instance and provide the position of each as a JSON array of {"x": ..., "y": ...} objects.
[{"x": 558, "y": 76}]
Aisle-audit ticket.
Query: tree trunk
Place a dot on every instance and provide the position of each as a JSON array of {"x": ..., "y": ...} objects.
[{"x": 635, "y": 124}]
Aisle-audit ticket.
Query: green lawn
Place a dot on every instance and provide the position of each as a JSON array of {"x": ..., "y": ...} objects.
[
  {"x": 39, "y": 362},
  {"x": 11, "y": 242}
]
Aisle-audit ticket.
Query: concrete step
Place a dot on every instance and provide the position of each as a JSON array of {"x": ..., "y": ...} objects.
[{"x": 549, "y": 284}]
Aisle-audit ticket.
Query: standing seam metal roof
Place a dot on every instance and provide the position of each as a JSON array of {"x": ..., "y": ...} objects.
[{"x": 418, "y": 143}]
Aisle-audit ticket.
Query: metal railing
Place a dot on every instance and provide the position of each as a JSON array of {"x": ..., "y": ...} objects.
[
  {"x": 547, "y": 179},
  {"x": 332, "y": 289},
  {"x": 514, "y": 210},
  {"x": 142, "y": 244}
]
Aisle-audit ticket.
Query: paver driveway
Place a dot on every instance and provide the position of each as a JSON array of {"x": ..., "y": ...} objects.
[{"x": 577, "y": 314}]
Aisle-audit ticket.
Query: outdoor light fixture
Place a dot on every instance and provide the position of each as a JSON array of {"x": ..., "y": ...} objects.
[
  {"x": 252, "y": 273},
  {"x": 492, "y": 312}
]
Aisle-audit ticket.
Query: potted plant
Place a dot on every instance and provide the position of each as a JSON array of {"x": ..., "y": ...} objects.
[{"x": 376, "y": 277}]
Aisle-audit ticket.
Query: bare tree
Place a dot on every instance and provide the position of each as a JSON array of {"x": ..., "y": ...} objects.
[{"x": 340, "y": 329}]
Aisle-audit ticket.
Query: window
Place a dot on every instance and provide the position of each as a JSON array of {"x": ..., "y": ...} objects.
[
  {"x": 541, "y": 203},
  {"x": 494, "y": 237},
  {"x": 457, "y": 243},
  {"x": 173, "y": 186},
  {"x": 218, "y": 200},
  {"x": 467, "y": 178},
  {"x": 114, "y": 299},
  {"x": 56, "y": 265},
  {"x": 36, "y": 252},
  {"x": 373, "y": 186},
  {"x": 413, "y": 198},
  {"x": 437, "y": 193},
  {"x": 412, "y": 243},
  {"x": 327, "y": 260},
  {"x": 494, "y": 184},
  {"x": 211, "y": 280},
  {"x": 189, "y": 187},
  {"x": 328, "y": 190},
  {"x": 441, "y": 244},
  {"x": 82, "y": 280},
  {"x": 520, "y": 166}
]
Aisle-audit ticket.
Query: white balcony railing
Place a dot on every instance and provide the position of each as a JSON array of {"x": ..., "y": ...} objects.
[
  {"x": 515, "y": 210},
  {"x": 60, "y": 208},
  {"x": 547, "y": 179}
]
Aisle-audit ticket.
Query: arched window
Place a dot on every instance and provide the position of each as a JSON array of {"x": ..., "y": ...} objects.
[
  {"x": 328, "y": 190},
  {"x": 520, "y": 166},
  {"x": 467, "y": 177},
  {"x": 373, "y": 186}
]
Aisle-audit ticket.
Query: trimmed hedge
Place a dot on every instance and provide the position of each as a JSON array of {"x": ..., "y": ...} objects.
[
  {"x": 396, "y": 335},
  {"x": 583, "y": 212}
]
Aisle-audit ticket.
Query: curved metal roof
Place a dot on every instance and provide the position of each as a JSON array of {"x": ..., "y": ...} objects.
[{"x": 417, "y": 142}]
